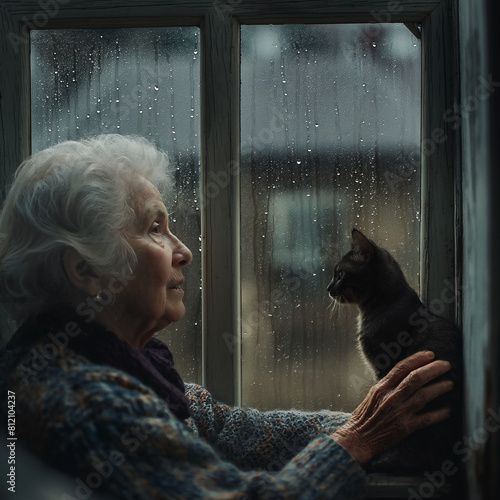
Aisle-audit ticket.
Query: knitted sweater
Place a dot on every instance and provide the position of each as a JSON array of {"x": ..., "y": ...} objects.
[{"x": 114, "y": 434}]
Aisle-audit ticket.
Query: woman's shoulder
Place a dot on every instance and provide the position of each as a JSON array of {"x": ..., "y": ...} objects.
[
  {"x": 52, "y": 365},
  {"x": 67, "y": 395},
  {"x": 50, "y": 373}
]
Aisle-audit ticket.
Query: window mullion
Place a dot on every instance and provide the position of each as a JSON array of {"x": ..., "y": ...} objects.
[
  {"x": 220, "y": 205},
  {"x": 439, "y": 163}
]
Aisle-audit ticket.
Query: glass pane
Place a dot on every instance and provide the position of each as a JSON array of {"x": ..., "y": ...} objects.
[
  {"x": 330, "y": 141},
  {"x": 143, "y": 81}
]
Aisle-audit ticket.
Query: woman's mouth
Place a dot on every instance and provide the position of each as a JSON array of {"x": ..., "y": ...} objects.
[{"x": 177, "y": 286}]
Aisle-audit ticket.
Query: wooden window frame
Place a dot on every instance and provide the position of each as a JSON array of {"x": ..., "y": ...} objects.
[{"x": 219, "y": 21}]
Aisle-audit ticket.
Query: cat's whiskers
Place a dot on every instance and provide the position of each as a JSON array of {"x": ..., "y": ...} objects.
[{"x": 334, "y": 307}]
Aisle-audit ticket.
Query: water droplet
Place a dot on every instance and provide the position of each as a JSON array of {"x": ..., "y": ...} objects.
[
  {"x": 156, "y": 87},
  {"x": 316, "y": 125},
  {"x": 299, "y": 162},
  {"x": 374, "y": 44}
]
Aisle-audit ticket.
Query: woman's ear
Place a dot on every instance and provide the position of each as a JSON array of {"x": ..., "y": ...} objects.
[{"x": 80, "y": 274}]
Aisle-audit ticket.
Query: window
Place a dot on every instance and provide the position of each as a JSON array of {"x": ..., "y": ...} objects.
[
  {"x": 323, "y": 157},
  {"x": 131, "y": 81},
  {"x": 219, "y": 26},
  {"x": 219, "y": 36},
  {"x": 330, "y": 127}
]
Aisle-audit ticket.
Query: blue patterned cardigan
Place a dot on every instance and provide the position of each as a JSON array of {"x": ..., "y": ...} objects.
[{"x": 113, "y": 434}]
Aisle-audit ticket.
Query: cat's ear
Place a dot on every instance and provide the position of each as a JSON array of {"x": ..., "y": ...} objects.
[{"x": 361, "y": 244}]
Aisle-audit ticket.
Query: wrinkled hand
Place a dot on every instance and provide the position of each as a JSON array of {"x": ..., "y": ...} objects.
[{"x": 389, "y": 413}]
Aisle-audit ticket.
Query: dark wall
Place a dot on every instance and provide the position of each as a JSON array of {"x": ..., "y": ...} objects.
[
  {"x": 478, "y": 35},
  {"x": 493, "y": 456}
]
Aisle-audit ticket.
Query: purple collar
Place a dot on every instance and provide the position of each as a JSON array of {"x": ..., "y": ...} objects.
[{"x": 153, "y": 365}]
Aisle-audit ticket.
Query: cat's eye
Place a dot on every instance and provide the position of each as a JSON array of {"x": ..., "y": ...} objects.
[{"x": 339, "y": 275}]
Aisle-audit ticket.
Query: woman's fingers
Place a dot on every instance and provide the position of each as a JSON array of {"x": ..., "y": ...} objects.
[
  {"x": 391, "y": 410},
  {"x": 405, "y": 367},
  {"x": 421, "y": 377},
  {"x": 430, "y": 418},
  {"x": 420, "y": 399}
]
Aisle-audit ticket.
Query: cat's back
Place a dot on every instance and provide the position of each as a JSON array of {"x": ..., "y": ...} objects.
[
  {"x": 405, "y": 327},
  {"x": 435, "y": 333}
]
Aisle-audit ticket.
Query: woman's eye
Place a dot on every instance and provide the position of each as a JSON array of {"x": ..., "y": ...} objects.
[{"x": 156, "y": 228}]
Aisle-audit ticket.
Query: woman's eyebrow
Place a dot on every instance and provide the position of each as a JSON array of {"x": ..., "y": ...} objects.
[
  {"x": 153, "y": 213},
  {"x": 156, "y": 212}
]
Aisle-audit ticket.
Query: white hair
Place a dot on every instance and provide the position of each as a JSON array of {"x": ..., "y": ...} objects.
[{"x": 76, "y": 194}]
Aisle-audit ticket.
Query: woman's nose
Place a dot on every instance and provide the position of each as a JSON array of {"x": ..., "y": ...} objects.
[{"x": 181, "y": 256}]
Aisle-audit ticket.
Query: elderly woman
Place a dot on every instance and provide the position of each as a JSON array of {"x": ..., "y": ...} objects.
[{"x": 89, "y": 264}]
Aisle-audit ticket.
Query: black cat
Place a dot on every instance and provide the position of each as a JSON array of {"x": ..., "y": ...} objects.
[{"x": 393, "y": 324}]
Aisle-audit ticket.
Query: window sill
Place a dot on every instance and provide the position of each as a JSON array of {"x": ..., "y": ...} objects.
[{"x": 389, "y": 486}]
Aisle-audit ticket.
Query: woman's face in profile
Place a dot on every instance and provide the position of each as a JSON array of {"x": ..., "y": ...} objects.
[{"x": 154, "y": 298}]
